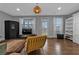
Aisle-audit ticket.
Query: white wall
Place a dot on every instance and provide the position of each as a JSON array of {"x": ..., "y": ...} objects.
[
  {"x": 13, "y": 18},
  {"x": 3, "y": 17}
]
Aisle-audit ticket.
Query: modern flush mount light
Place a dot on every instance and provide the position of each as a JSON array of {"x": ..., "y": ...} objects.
[
  {"x": 18, "y": 9},
  {"x": 37, "y": 9},
  {"x": 59, "y": 8}
]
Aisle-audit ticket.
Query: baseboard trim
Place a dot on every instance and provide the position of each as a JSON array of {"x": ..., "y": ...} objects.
[{"x": 51, "y": 37}]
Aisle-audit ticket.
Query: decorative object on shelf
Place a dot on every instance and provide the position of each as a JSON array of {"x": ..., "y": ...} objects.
[{"x": 37, "y": 9}]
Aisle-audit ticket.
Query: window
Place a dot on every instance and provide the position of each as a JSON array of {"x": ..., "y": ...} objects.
[
  {"x": 59, "y": 25},
  {"x": 27, "y": 23},
  {"x": 45, "y": 26}
]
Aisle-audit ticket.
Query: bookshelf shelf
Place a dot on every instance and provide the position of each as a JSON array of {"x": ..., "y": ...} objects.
[{"x": 69, "y": 28}]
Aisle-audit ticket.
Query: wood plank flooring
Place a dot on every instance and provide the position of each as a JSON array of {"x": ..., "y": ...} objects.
[
  {"x": 56, "y": 47},
  {"x": 60, "y": 47}
]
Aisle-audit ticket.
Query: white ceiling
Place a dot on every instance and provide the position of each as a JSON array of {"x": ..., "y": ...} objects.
[{"x": 47, "y": 8}]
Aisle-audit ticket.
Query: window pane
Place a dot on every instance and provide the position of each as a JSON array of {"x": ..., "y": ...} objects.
[
  {"x": 30, "y": 26},
  {"x": 30, "y": 22},
  {"x": 27, "y": 23},
  {"x": 58, "y": 24},
  {"x": 44, "y": 24},
  {"x": 26, "y": 26},
  {"x": 44, "y": 27},
  {"x": 58, "y": 20}
]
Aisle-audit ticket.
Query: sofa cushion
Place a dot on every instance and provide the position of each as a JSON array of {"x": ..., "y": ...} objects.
[{"x": 15, "y": 46}]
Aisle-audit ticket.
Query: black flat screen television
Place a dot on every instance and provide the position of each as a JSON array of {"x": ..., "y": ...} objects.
[{"x": 26, "y": 31}]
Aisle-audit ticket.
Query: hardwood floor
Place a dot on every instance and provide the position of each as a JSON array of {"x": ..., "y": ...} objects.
[
  {"x": 57, "y": 47},
  {"x": 60, "y": 47}
]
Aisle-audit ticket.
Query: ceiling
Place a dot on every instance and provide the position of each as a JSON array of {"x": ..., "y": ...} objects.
[{"x": 26, "y": 9}]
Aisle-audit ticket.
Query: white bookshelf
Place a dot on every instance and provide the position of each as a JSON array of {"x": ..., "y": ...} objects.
[
  {"x": 76, "y": 28},
  {"x": 72, "y": 28},
  {"x": 69, "y": 28}
]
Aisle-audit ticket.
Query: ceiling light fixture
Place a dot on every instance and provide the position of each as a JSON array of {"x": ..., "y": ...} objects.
[
  {"x": 59, "y": 8},
  {"x": 18, "y": 9},
  {"x": 37, "y": 9}
]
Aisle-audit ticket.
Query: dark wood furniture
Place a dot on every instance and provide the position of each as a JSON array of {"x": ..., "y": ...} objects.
[
  {"x": 26, "y": 31},
  {"x": 11, "y": 29},
  {"x": 60, "y": 36}
]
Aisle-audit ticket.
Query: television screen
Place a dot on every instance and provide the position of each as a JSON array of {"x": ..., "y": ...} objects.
[{"x": 26, "y": 31}]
